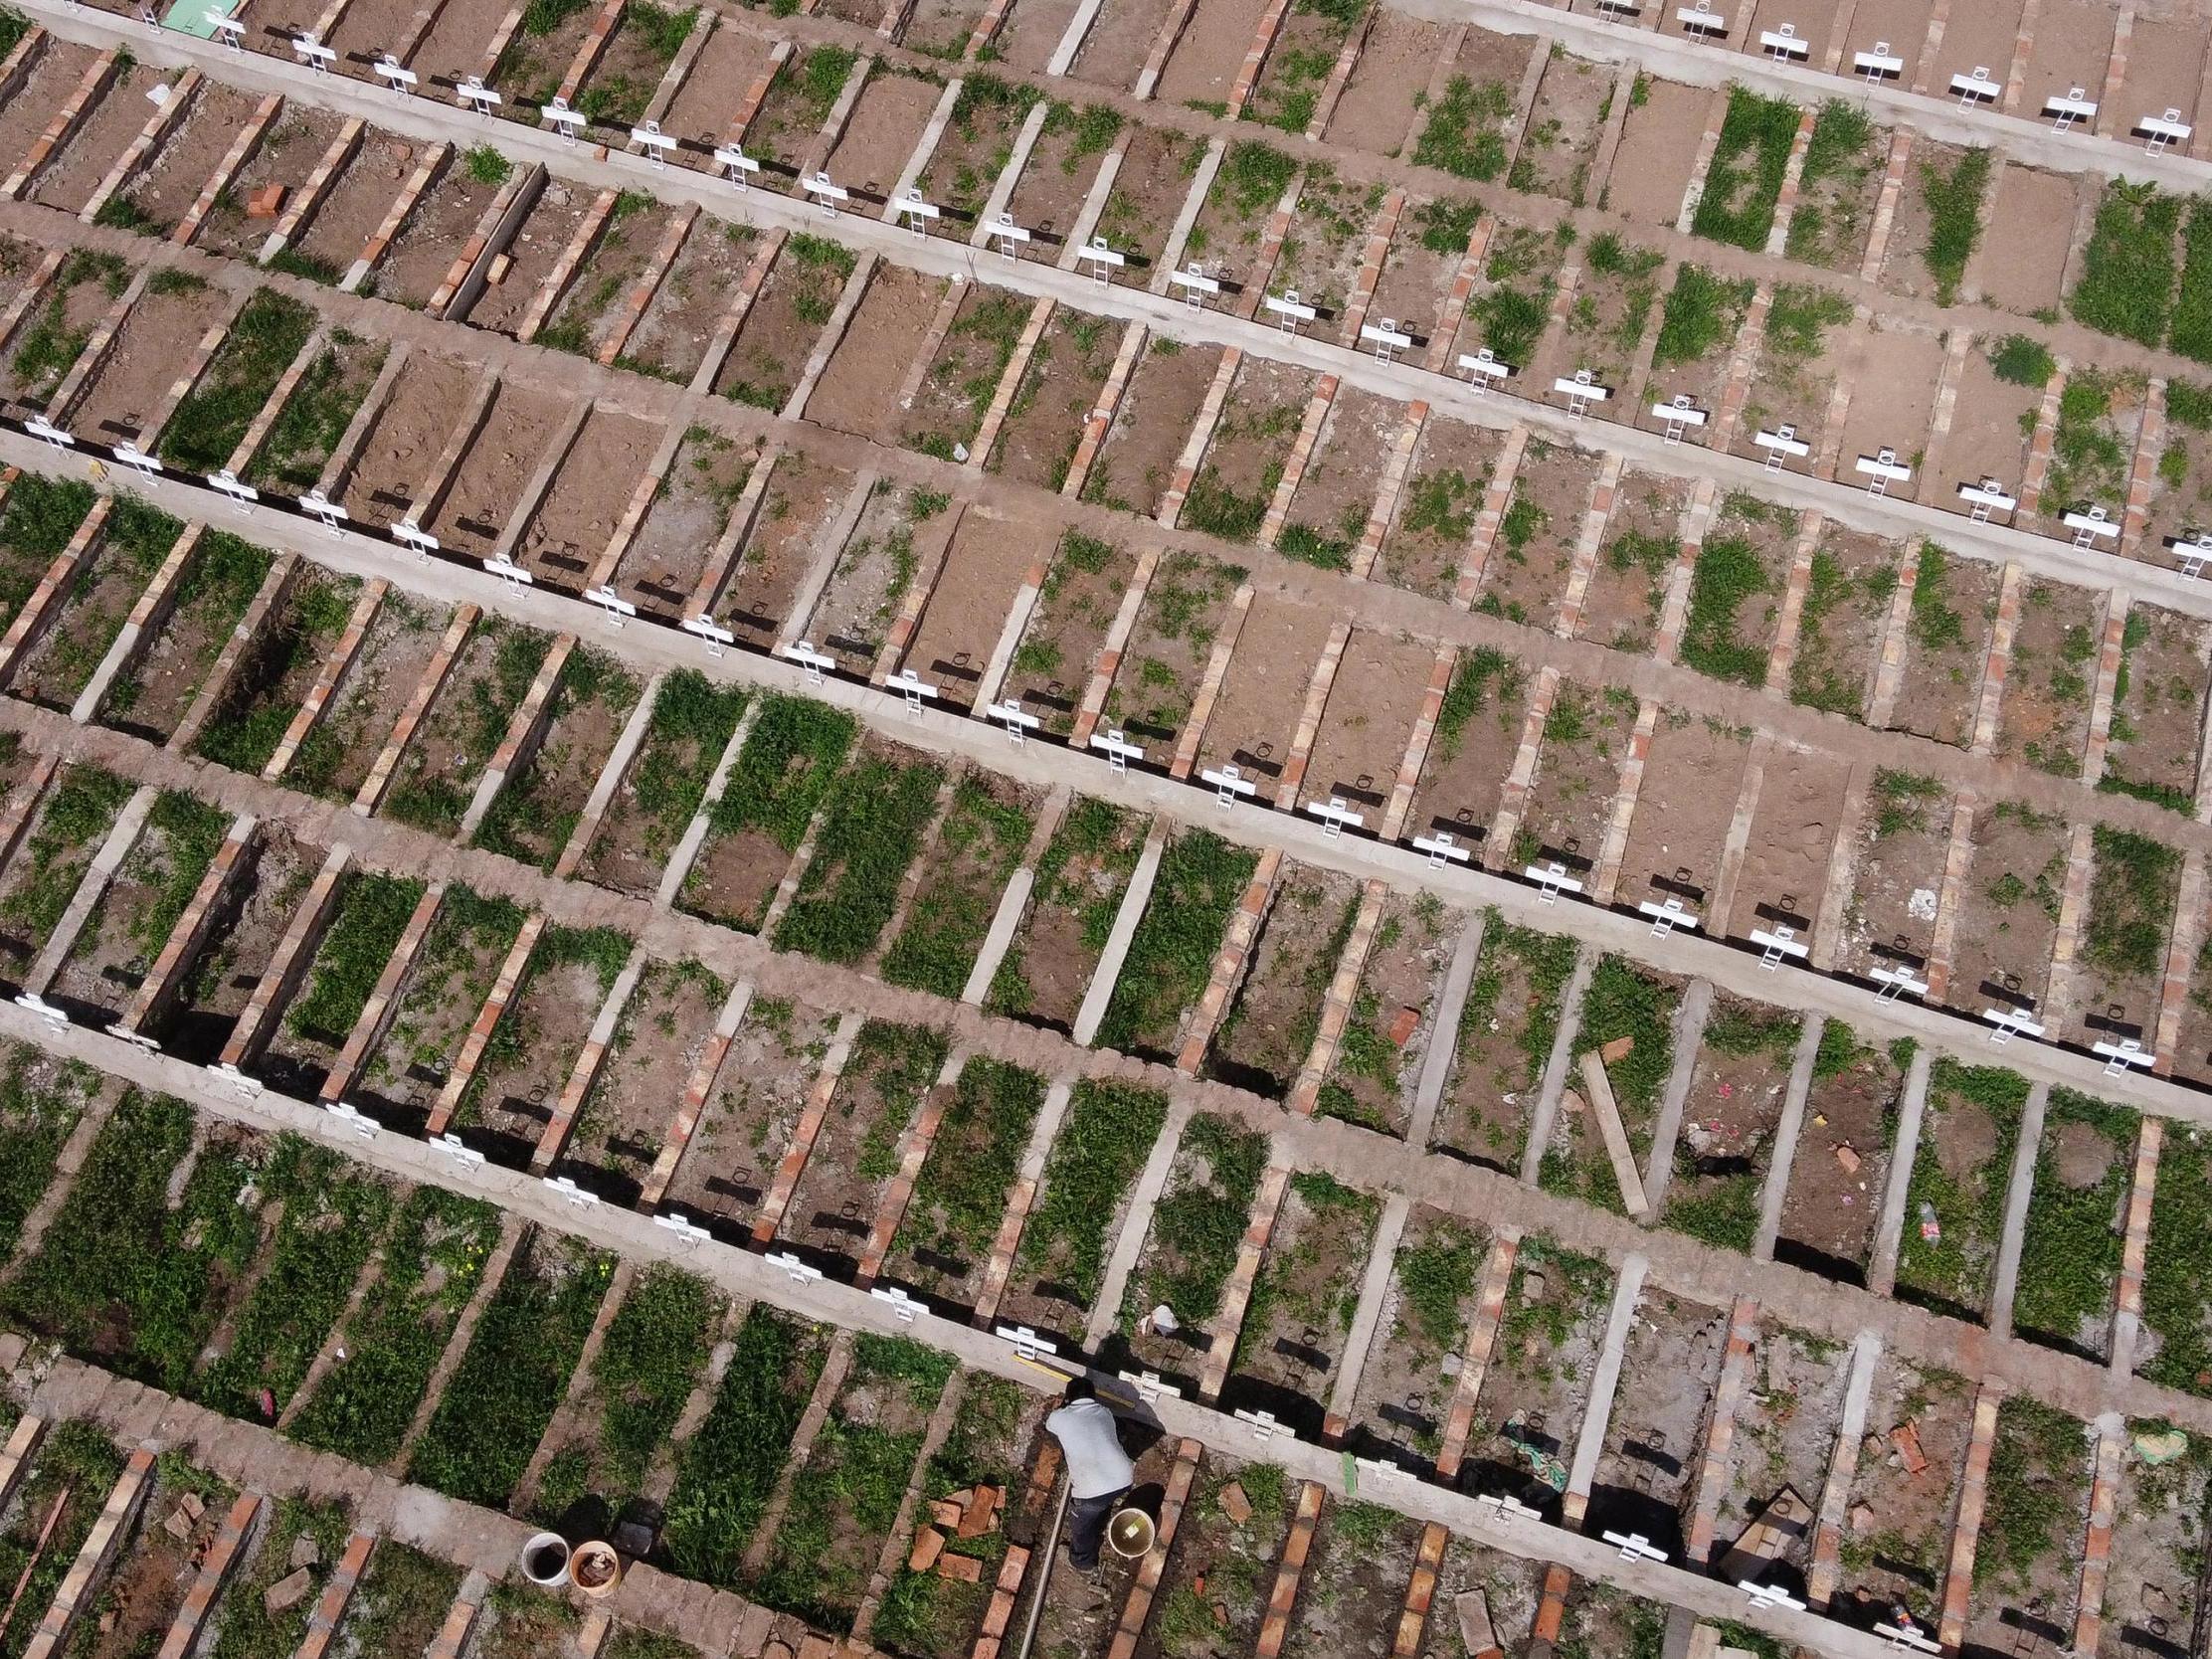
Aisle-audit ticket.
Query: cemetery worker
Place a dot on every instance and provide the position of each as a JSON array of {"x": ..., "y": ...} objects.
[{"x": 1098, "y": 1471}]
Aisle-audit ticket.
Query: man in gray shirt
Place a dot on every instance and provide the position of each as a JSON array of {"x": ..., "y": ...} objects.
[{"x": 1098, "y": 1471}]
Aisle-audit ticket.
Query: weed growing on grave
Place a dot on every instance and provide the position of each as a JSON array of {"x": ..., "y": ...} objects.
[
  {"x": 1481, "y": 677},
  {"x": 334, "y": 1213},
  {"x": 1954, "y": 203},
  {"x": 79, "y": 810},
  {"x": 869, "y": 834},
  {"x": 655, "y": 1348},
  {"x": 2130, "y": 902},
  {"x": 1464, "y": 134},
  {"x": 2034, "y": 1491},
  {"x": 2022, "y": 360},
  {"x": 1902, "y": 800},
  {"x": 487, "y": 165},
  {"x": 1934, "y": 626},
  {"x": 496, "y": 1405},
  {"x": 42, "y": 516},
  {"x": 1109, "y": 1131},
  {"x": 692, "y": 719},
  {"x": 961, "y": 1196},
  {"x": 1841, "y": 149},
  {"x": 2069, "y": 1252},
  {"x": 532, "y": 816},
  {"x": 1200, "y": 880},
  {"x": 1447, "y": 226},
  {"x": 2177, "y": 1267},
  {"x": 433, "y": 1261},
  {"x": 1746, "y": 176},
  {"x": 190, "y": 833},
  {"x": 1703, "y": 310},
  {"x": 1728, "y": 574},
  {"x": 12, "y": 27},
  {"x": 1199, "y": 1224},
  {"x": 2192, "y": 333},
  {"x": 244, "y": 729},
  {"x": 69, "y": 1479},
  {"x": 1625, "y": 1002},
  {"x": 2127, "y": 271},
  {"x": 372, "y": 914},
  {"x": 1949, "y": 1272},
  {"x": 981, "y": 840},
  {"x": 1442, "y": 504},
  {"x": 1434, "y": 1279},
  {"x": 205, "y": 431},
  {"x": 792, "y": 753}
]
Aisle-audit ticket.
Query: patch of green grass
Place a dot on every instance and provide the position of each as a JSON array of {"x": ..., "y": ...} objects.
[
  {"x": 1736, "y": 205},
  {"x": 487, "y": 165},
  {"x": 1702, "y": 312},
  {"x": 2127, "y": 271},
  {"x": 372, "y": 912},
  {"x": 1624, "y": 1002},
  {"x": 80, "y": 810},
  {"x": 2192, "y": 333},
  {"x": 1727, "y": 575},
  {"x": 1446, "y": 226},
  {"x": 1465, "y": 133},
  {"x": 2177, "y": 1266},
  {"x": 869, "y": 834},
  {"x": 1954, "y": 202},
  {"x": 1200, "y": 880},
  {"x": 2022, "y": 360},
  {"x": 1254, "y": 177},
  {"x": 981, "y": 843},
  {"x": 271, "y": 330},
  {"x": 2036, "y": 1482},
  {"x": 791, "y": 757},
  {"x": 2130, "y": 902},
  {"x": 1199, "y": 1226}
]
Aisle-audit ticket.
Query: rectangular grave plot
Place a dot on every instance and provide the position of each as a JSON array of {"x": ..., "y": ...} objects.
[
  {"x": 55, "y": 333},
  {"x": 596, "y": 300},
  {"x": 437, "y": 1001},
  {"x": 977, "y": 140},
  {"x": 1728, "y": 1123},
  {"x": 538, "y": 245},
  {"x": 2147, "y": 1588},
  {"x": 367, "y": 915},
  {"x": 1081, "y": 1203},
  {"x": 2125, "y": 929},
  {"x": 1899, "y": 843},
  {"x": 1408, "y": 1381},
  {"x": 218, "y": 981},
  {"x": 1335, "y": 495},
  {"x": 1049, "y": 194},
  {"x": 1577, "y": 772},
  {"x": 799, "y": 296},
  {"x": 141, "y": 904},
  {"x": 795, "y": 752},
  {"x": 314, "y": 418},
  {"x": 1922, "y": 1419},
  {"x": 1078, "y": 892},
  {"x": 885, "y": 124},
  {"x": 1504, "y": 1042},
  {"x": 1735, "y": 591},
  {"x": 2009, "y": 908},
  {"x": 1788, "y": 856},
  {"x": 126, "y": 394},
  {"x": 2159, "y": 701},
  {"x": 169, "y": 183},
  {"x": 1300, "y": 1313},
  {"x": 68, "y": 828},
  {"x": 1189, "y": 1253},
  {"x": 965, "y": 620},
  {"x": 1839, "y": 186},
  {"x": 1837, "y": 1177},
  {"x": 1264, "y": 1039},
  {"x": 1249, "y": 446},
  {"x": 621, "y": 85},
  {"x": 1654, "y": 1437},
  {"x": 1428, "y": 540},
  {"x": 142, "y": 1589},
  {"x": 1060, "y": 386},
  {"x": 1636, "y": 556},
  {"x": 91, "y": 611},
  {"x": 961, "y": 879},
  {"x": 1525, "y": 573},
  {"x": 537, "y": 808},
  {"x": 1478, "y": 733},
  {"x": 2070, "y": 1254},
  {"x": 464, "y": 725},
  {"x": 958, "y": 387},
  {"x": 1537, "y": 1389},
  {"x": 1152, "y": 426},
  {"x": 486, "y": 489},
  {"x": 1378, "y": 1059},
  {"x": 391, "y": 475},
  {"x": 1839, "y": 632},
  {"x": 2032, "y": 1522},
  {"x": 690, "y": 727},
  {"x": 293, "y": 148},
  {"x": 945, "y": 1239},
  {"x": 1234, "y": 1559},
  {"x": 891, "y": 324},
  {"x": 335, "y": 758},
  {"x": 1081, "y": 595},
  {"x": 1622, "y": 1002},
  {"x": 1679, "y": 833},
  {"x": 773, "y": 1064},
  {"x": 616, "y": 1136},
  {"x": 592, "y": 490},
  {"x": 788, "y": 541},
  {"x": 1572, "y": 103},
  {"x": 1786, "y": 1433},
  {"x": 104, "y": 131},
  {"x": 420, "y": 258},
  {"x": 1613, "y": 304},
  {"x": 1954, "y": 1208},
  {"x": 525, "y": 1066},
  {"x": 873, "y": 829},
  {"x": 687, "y": 517},
  {"x": 901, "y": 533},
  {"x": 1156, "y": 682},
  {"x": 1254, "y": 721},
  {"x": 887, "y": 1075}
]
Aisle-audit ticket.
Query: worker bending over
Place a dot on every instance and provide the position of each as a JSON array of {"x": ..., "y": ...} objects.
[{"x": 1098, "y": 1471}]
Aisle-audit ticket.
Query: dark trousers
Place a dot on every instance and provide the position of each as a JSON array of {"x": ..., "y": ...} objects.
[{"x": 1087, "y": 1527}]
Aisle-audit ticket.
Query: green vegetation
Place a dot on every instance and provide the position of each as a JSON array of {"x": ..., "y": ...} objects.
[
  {"x": 981, "y": 840},
  {"x": 432, "y": 1263},
  {"x": 692, "y": 719},
  {"x": 537, "y": 807},
  {"x": 2177, "y": 1266},
  {"x": 792, "y": 755},
  {"x": 69, "y": 1479},
  {"x": 2069, "y": 1248},
  {"x": 1933, "y": 625},
  {"x": 1954, "y": 202},
  {"x": 2130, "y": 902},
  {"x": 726, "y": 1473},
  {"x": 1095, "y": 1158},
  {"x": 79, "y": 810},
  {"x": 1200, "y": 880},
  {"x": 1826, "y": 229},
  {"x": 1199, "y": 1224},
  {"x": 1728, "y": 574},
  {"x": 1746, "y": 176},
  {"x": 869, "y": 834},
  {"x": 270, "y": 332},
  {"x": 495, "y": 1408},
  {"x": 1447, "y": 226},
  {"x": 1959, "y": 1177},
  {"x": 253, "y": 714},
  {"x": 1434, "y": 1279},
  {"x": 1465, "y": 132},
  {"x": 1703, "y": 310},
  {"x": 961, "y": 1196},
  {"x": 2127, "y": 271},
  {"x": 2022, "y": 360},
  {"x": 2035, "y": 1493},
  {"x": 123, "y": 1279},
  {"x": 2192, "y": 333},
  {"x": 36, "y": 1116},
  {"x": 1625, "y": 1002},
  {"x": 333, "y": 1212},
  {"x": 1254, "y": 177},
  {"x": 372, "y": 913},
  {"x": 487, "y": 165},
  {"x": 1902, "y": 800},
  {"x": 1798, "y": 320},
  {"x": 2089, "y": 461}
]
